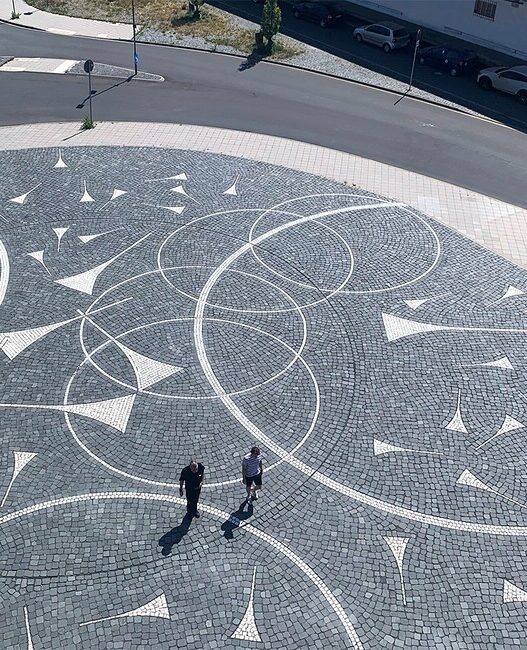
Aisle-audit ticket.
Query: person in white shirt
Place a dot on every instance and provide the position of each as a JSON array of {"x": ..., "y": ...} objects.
[{"x": 252, "y": 471}]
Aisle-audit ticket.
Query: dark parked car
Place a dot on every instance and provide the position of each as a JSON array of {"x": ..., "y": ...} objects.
[
  {"x": 446, "y": 58},
  {"x": 323, "y": 14}
]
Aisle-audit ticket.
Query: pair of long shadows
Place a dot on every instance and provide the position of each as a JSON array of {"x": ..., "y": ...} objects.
[{"x": 175, "y": 535}]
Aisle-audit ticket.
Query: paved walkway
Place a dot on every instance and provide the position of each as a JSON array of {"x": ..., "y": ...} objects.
[
  {"x": 498, "y": 226},
  {"x": 65, "y": 25},
  {"x": 170, "y": 292}
]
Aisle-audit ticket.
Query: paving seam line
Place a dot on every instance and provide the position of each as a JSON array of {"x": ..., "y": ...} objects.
[{"x": 290, "y": 66}]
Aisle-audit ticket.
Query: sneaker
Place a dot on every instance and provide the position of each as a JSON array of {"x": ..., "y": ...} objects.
[
  {"x": 255, "y": 497},
  {"x": 197, "y": 515}
]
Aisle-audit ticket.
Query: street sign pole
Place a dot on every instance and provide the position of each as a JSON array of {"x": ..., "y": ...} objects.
[
  {"x": 89, "y": 86},
  {"x": 136, "y": 58},
  {"x": 88, "y": 67},
  {"x": 417, "y": 41}
]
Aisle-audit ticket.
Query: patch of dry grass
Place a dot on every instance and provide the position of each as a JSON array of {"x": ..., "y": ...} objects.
[{"x": 169, "y": 16}]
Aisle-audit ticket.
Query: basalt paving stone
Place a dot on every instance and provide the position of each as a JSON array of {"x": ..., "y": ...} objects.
[{"x": 161, "y": 305}]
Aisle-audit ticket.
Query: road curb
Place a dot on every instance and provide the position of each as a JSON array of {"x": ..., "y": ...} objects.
[{"x": 329, "y": 75}]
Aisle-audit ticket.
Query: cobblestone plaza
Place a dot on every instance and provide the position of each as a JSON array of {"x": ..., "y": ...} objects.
[{"x": 158, "y": 305}]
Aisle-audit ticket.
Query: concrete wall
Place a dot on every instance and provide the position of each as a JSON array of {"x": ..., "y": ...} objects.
[{"x": 506, "y": 33}]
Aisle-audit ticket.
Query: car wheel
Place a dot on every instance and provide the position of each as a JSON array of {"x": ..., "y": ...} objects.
[
  {"x": 297, "y": 14},
  {"x": 522, "y": 97},
  {"x": 358, "y": 38},
  {"x": 421, "y": 61},
  {"x": 453, "y": 72},
  {"x": 387, "y": 48},
  {"x": 485, "y": 83},
  {"x": 323, "y": 23}
]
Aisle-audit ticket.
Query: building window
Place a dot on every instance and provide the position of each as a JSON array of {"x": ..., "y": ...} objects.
[{"x": 485, "y": 9}]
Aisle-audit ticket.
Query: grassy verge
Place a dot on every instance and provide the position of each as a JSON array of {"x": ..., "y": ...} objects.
[{"x": 217, "y": 27}]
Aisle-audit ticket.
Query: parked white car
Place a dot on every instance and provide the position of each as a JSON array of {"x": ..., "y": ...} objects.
[
  {"x": 508, "y": 80},
  {"x": 389, "y": 36}
]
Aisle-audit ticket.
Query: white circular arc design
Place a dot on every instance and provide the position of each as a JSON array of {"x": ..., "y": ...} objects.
[
  {"x": 374, "y": 502},
  {"x": 216, "y": 512}
]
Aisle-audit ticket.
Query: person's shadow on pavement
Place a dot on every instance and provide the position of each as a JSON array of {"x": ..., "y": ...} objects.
[
  {"x": 236, "y": 518},
  {"x": 174, "y": 536}
]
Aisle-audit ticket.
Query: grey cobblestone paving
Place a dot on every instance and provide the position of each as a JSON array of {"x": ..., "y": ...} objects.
[{"x": 374, "y": 354}]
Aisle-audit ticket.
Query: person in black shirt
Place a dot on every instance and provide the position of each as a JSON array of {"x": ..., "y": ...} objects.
[{"x": 192, "y": 478}]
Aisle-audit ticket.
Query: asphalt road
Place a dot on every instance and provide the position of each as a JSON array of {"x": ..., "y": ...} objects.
[
  {"x": 209, "y": 89},
  {"x": 338, "y": 40}
]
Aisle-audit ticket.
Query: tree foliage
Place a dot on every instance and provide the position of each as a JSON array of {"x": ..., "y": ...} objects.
[
  {"x": 194, "y": 8},
  {"x": 271, "y": 20}
]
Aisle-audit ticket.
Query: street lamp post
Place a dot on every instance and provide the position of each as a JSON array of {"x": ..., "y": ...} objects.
[
  {"x": 135, "y": 44},
  {"x": 14, "y": 14}
]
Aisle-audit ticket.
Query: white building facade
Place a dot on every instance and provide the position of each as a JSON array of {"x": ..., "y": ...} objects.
[{"x": 497, "y": 24}]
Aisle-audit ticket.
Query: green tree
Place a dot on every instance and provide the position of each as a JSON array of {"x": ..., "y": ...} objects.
[
  {"x": 194, "y": 8},
  {"x": 271, "y": 20}
]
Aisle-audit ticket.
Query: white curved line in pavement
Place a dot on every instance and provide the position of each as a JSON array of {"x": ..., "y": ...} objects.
[
  {"x": 216, "y": 512},
  {"x": 232, "y": 407},
  {"x": 4, "y": 271}
]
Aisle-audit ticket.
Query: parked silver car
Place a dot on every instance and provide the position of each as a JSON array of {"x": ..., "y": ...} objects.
[
  {"x": 389, "y": 36},
  {"x": 508, "y": 80}
]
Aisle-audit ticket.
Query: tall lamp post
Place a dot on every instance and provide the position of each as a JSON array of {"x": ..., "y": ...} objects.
[
  {"x": 135, "y": 44},
  {"x": 14, "y": 14}
]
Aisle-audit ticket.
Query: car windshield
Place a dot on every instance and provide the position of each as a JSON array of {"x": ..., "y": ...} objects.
[{"x": 399, "y": 33}]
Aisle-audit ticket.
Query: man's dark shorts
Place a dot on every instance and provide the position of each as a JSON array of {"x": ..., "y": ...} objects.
[{"x": 257, "y": 480}]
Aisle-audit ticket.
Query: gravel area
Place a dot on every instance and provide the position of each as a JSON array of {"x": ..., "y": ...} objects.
[
  {"x": 104, "y": 70},
  {"x": 5, "y": 59}
]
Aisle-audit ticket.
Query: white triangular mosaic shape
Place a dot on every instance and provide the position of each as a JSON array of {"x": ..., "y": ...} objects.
[
  {"x": 22, "y": 198},
  {"x": 380, "y": 447},
  {"x": 398, "y": 328},
  {"x": 114, "y": 412},
  {"x": 456, "y": 423},
  {"x": 512, "y": 291},
  {"x": 39, "y": 256},
  {"x": 87, "y": 238},
  {"x": 398, "y": 547},
  {"x": 247, "y": 630},
  {"x": 467, "y": 478},
  {"x": 513, "y": 594},
  {"x": 177, "y": 177},
  {"x": 231, "y": 191},
  {"x": 13, "y": 343},
  {"x": 415, "y": 304},
  {"x": 86, "y": 198},
  {"x": 117, "y": 193},
  {"x": 178, "y": 209},
  {"x": 179, "y": 190},
  {"x": 157, "y": 608},
  {"x": 148, "y": 371},
  {"x": 502, "y": 362},
  {"x": 509, "y": 424},
  {"x": 22, "y": 458},
  {"x": 60, "y": 164},
  {"x": 60, "y": 232},
  {"x": 85, "y": 281}
]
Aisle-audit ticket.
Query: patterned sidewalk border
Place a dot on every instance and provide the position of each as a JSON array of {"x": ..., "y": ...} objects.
[{"x": 496, "y": 225}]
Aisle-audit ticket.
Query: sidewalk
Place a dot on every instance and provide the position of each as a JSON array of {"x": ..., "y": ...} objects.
[
  {"x": 496, "y": 225},
  {"x": 65, "y": 25}
]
